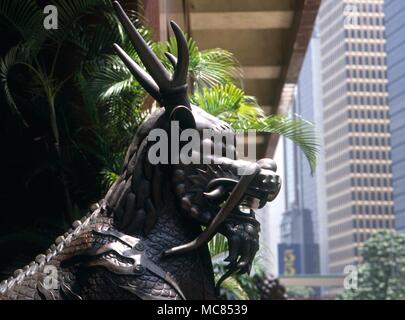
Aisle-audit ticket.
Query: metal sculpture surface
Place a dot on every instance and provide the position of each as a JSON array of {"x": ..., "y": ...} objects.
[{"x": 145, "y": 239}]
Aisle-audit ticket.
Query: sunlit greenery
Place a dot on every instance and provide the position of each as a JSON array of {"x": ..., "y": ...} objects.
[
  {"x": 207, "y": 68},
  {"x": 298, "y": 292},
  {"x": 230, "y": 104},
  {"x": 381, "y": 273}
]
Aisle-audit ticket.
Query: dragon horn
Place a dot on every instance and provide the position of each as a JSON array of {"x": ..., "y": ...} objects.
[
  {"x": 172, "y": 59},
  {"x": 180, "y": 72},
  {"x": 168, "y": 91},
  {"x": 140, "y": 75},
  {"x": 149, "y": 59}
]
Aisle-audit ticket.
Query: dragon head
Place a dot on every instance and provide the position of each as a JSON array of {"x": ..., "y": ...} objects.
[{"x": 217, "y": 189}]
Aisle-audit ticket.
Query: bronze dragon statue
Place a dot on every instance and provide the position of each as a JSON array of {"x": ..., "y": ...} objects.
[{"x": 147, "y": 239}]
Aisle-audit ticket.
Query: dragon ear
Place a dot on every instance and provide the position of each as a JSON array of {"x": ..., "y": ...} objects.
[{"x": 184, "y": 116}]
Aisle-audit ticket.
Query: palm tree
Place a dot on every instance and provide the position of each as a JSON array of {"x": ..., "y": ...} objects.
[
  {"x": 38, "y": 56},
  {"x": 44, "y": 77}
]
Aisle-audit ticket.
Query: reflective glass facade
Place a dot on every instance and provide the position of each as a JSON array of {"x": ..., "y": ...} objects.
[{"x": 395, "y": 47}]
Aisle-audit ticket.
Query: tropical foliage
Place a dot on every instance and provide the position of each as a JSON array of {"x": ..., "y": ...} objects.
[
  {"x": 298, "y": 292},
  {"x": 40, "y": 80},
  {"x": 229, "y": 103},
  {"x": 64, "y": 131},
  {"x": 207, "y": 68},
  {"x": 381, "y": 274}
]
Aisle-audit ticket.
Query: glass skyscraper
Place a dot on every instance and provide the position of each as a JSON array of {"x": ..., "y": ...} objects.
[{"x": 395, "y": 48}]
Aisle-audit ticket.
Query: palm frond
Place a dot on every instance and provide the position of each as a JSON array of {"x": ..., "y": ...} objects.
[
  {"x": 113, "y": 81},
  {"x": 69, "y": 12},
  {"x": 24, "y": 16},
  {"x": 226, "y": 101},
  {"x": 95, "y": 39},
  {"x": 216, "y": 66},
  {"x": 15, "y": 56},
  {"x": 109, "y": 177},
  {"x": 123, "y": 115},
  {"x": 89, "y": 99},
  {"x": 218, "y": 245},
  {"x": 232, "y": 285},
  {"x": 207, "y": 68},
  {"x": 242, "y": 112},
  {"x": 294, "y": 128}
]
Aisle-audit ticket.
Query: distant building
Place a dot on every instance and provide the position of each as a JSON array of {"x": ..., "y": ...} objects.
[
  {"x": 297, "y": 234},
  {"x": 309, "y": 107},
  {"x": 298, "y": 230},
  {"x": 356, "y": 126},
  {"x": 395, "y": 47},
  {"x": 303, "y": 224}
]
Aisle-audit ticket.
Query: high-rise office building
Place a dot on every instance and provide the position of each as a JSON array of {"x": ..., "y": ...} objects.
[
  {"x": 395, "y": 48},
  {"x": 356, "y": 126}
]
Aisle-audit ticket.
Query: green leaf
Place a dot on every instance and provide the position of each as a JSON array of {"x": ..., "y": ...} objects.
[
  {"x": 242, "y": 112},
  {"x": 25, "y": 17},
  {"x": 218, "y": 245},
  {"x": 294, "y": 128},
  {"x": 232, "y": 285},
  {"x": 381, "y": 272},
  {"x": 207, "y": 68},
  {"x": 109, "y": 177},
  {"x": 17, "y": 55}
]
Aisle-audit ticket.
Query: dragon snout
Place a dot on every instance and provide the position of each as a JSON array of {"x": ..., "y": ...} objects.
[
  {"x": 269, "y": 183},
  {"x": 263, "y": 188}
]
